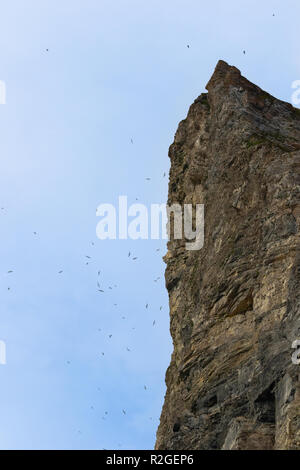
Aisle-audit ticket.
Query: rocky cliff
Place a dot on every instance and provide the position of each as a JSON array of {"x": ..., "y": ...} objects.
[{"x": 235, "y": 304}]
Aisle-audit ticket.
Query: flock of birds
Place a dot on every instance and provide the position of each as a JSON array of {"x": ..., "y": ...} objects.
[
  {"x": 188, "y": 46},
  {"x": 134, "y": 258},
  {"x": 100, "y": 289}
]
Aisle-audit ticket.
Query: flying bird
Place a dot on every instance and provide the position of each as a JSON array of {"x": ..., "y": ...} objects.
[
  {"x": 244, "y": 52},
  {"x": 60, "y": 272}
]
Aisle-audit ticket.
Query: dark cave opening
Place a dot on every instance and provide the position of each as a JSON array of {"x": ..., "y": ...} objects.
[{"x": 264, "y": 406}]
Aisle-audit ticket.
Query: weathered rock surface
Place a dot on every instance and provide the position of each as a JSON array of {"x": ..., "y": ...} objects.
[{"x": 235, "y": 304}]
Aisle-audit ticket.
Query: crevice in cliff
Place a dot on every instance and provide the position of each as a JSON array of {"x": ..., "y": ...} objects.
[{"x": 264, "y": 406}]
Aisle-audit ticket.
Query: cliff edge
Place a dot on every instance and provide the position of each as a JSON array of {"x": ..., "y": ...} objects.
[{"x": 235, "y": 304}]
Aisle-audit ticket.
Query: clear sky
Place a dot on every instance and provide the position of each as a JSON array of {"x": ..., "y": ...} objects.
[{"x": 114, "y": 71}]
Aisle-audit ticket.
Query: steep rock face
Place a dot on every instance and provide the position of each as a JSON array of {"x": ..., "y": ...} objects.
[{"x": 235, "y": 304}]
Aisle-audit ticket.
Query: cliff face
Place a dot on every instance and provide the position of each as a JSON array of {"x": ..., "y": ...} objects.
[{"x": 235, "y": 304}]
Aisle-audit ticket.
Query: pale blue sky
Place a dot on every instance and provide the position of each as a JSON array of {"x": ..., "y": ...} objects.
[{"x": 115, "y": 70}]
